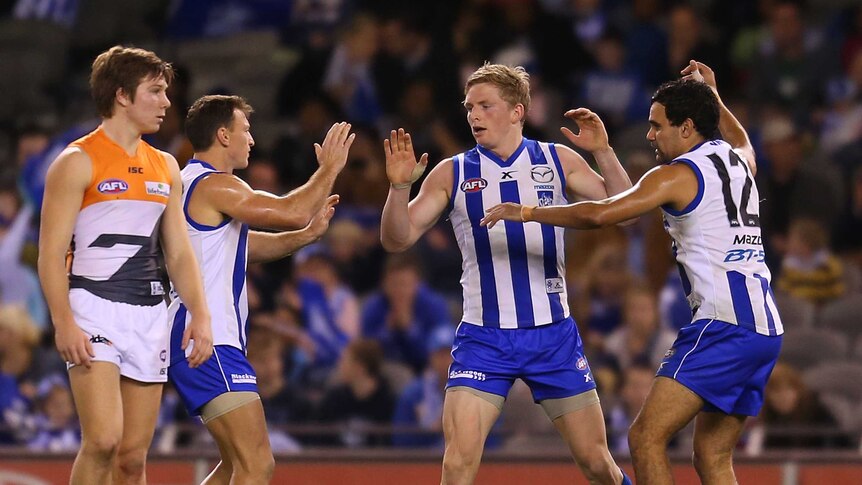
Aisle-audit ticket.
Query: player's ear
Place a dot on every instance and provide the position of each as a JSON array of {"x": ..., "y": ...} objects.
[
  {"x": 222, "y": 136},
  {"x": 122, "y": 98},
  {"x": 687, "y": 128},
  {"x": 518, "y": 113}
]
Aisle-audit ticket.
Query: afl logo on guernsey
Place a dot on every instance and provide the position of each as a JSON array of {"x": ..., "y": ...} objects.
[
  {"x": 474, "y": 185},
  {"x": 542, "y": 174},
  {"x": 113, "y": 186}
]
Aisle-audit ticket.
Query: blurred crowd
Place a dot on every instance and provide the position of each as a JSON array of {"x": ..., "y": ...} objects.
[{"x": 350, "y": 344}]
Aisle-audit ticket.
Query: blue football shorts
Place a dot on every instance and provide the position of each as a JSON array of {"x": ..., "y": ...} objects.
[
  {"x": 227, "y": 370},
  {"x": 548, "y": 358},
  {"x": 726, "y": 365}
]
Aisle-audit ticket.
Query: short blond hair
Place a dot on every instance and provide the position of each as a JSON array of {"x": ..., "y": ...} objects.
[
  {"x": 513, "y": 83},
  {"x": 16, "y": 320}
]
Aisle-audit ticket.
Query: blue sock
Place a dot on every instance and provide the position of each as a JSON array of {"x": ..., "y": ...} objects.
[{"x": 626, "y": 479}]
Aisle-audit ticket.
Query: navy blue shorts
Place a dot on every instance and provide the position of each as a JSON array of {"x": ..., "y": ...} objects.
[
  {"x": 726, "y": 365},
  {"x": 226, "y": 371},
  {"x": 549, "y": 358}
]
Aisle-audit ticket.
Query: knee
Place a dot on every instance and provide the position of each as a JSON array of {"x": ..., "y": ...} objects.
[
  {"x": 102, "y": 448},
  {"x": 597, "y": 466},
  {"x": 707, "y": 458},
  {"x": 132, "y": 462},
  {"x": 641, "y": 437},
  {"x": 256, "y": 469},
  {"x": 266, "y": 464},
  {"x": 458, "y": 462},
  {"x": 637, "y": 437}
]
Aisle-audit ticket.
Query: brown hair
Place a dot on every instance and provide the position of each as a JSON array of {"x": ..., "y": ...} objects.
[
  {"x": 368, "y": 353},
  {"x": 124, "y": 68},
  {"x": 513, "y": 83},
  {"x": 811, "y": 232},
  {"x": 210, "y": 113}
]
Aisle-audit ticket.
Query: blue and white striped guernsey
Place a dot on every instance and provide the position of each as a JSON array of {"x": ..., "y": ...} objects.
[
  {"x": 717, "y": 243},
  {"x": 513, "y": 273},
  {"x": 221, "y": 252}
]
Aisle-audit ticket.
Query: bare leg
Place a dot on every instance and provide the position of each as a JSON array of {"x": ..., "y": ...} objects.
[
  {"x": 222, "y": 472},
  {"x": 715, "y": 437},
  {"x": 584, "y": 432},
  {"x": 100, "y": 410},
  {"x": 667, "y": 409},
  {"x": 244, "y": 444},
  {"x": 467, "y": 420},
  {"x": 141, "y": 402}
]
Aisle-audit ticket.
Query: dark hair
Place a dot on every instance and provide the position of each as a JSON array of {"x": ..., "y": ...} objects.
[
  {"x": 124, "y": 68},
  {"x": 403, "y": 261},
  {"x": 685, "y": 98},
  {"x": 210, "y": 113},
  {"x": 368, "y": 353}
]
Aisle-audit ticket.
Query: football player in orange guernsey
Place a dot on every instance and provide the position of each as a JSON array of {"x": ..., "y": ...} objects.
[{"x": 117, "y": 200}]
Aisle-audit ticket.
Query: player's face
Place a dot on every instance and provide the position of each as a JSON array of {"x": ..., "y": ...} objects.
[
  {"x": 490, "y": 117},
  {"x": 240, "y": 139},
  {"x": 151, "y": 102},
  {"x": 664, "y": 138}
]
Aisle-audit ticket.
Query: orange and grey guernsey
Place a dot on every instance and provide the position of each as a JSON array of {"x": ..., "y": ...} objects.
[{"x": 116, "y": 237}]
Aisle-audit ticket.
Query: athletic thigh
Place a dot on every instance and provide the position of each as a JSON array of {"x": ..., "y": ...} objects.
[
  {"x": 669, "y": 406},
  {"x": 717, "y": 432},
  {"x": 141, "y": 401},
  {"x": 241, "y": 433},
  {"x": 584, "y": 431},
  {"x": 98, "y": 401},
  {"x": 467, "y": 420}
]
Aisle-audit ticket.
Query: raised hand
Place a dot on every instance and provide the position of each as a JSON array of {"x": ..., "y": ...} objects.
[
  {"x": 699, "y": 71},
  {"x": 336, "y": 145},
  {"x": 508, "y": 211},
  {"x": 320, "y": 223},
  {"x": 401, "y": 166},
  {"x": 592, "y": 135}
]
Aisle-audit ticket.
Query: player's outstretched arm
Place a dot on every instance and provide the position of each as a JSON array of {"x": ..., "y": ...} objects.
[
  {"x": 402, "y": 223},
  {"x": 230, "y": 195},
  {"x": 184, "y": 271},
  {"x": 731, "y": 129},
  {"x": 66, "y": 182},
  {"x": 265, "y": 246},
  {"x": 667, "y": 184}
]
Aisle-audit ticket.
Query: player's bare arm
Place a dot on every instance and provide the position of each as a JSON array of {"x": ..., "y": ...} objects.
[
  {"x": 581, "y": 180},
  {"x": 404, "y": 221},
  {"x": 227, "y": 194},
  {"x": 183, "y": 269},
  {"x": 264, "y": 246},
  {"x": 66, "y": 182},
  {"x": 731, "y": 129},
  {"x": 674, "y": 184}
]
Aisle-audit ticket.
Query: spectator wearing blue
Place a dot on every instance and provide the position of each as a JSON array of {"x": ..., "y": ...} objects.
[
  {"x": 404, "y": 312},
  {"x": 56, "y": 425},
  {"x": 420, "y": 404}
]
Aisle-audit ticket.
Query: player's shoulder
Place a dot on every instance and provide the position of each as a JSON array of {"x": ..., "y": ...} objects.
[
  {"x": 442, "y": 171},
  {"x": 73, "y": 159},
  {"x": 215, "y": 182}
]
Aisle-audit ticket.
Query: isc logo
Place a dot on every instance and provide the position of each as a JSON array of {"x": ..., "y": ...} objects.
[
  {"x": 113, "y": 186},
  {"x": 474, "y": 185}
]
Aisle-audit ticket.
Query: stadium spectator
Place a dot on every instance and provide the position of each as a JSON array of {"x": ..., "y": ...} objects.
[{"x": 360, "y": 398}]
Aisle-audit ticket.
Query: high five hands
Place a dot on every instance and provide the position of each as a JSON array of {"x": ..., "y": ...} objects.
[{"x": 401, "y": 166}]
